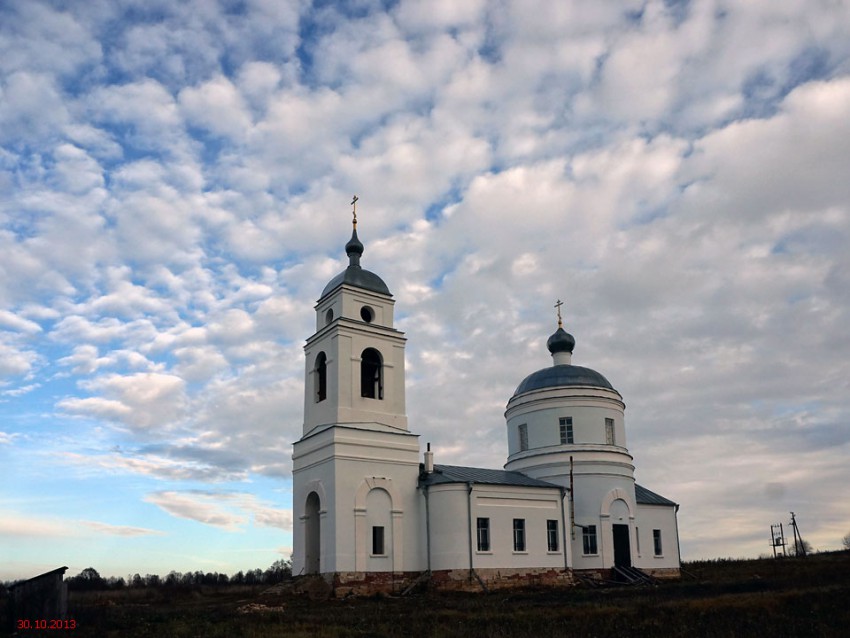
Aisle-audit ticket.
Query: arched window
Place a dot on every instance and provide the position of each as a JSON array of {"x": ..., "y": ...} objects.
[
  {"x": 371, "y": 374},
  {"x": 321, "y": 377}
]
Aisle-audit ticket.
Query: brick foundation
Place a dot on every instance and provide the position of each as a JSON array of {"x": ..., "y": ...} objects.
[
  {"x": 370, "y": 583},
  {"x": 343, "y": 584},
  {"x": 501, "y": 578}
]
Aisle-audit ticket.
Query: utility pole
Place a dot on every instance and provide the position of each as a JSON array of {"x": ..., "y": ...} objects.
[{"x": 799, "y": 546}]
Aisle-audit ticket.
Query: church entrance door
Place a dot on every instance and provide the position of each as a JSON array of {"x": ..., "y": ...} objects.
[
  {"x": 622, "y": 548},
  {"x": 312, "y": 534}
]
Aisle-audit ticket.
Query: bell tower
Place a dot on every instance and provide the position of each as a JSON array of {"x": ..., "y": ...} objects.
[
  {"x": 353, "y": 468},
  {"x": 355, "y": 359}
]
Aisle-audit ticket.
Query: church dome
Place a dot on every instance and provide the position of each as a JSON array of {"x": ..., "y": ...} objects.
[
  {"x": 354, "y": 275},
  {"x": 562, "y": 375},
  {"x": 359, "y": 277},
  {"x": 561, "y": 341}
]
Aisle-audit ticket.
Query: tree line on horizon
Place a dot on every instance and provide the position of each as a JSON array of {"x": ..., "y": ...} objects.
[{"x": 90, "y": 580}]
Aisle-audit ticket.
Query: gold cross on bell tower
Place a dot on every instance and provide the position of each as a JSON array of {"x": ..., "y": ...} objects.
[
  {"x": 558, "y": 305},
  {"x": 354, "y": 210}
]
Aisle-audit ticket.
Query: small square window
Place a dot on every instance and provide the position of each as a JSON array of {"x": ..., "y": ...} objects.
[
  {"x": 519, "y": 534},
  {"x": 588, "y": 538},
  {"x": 552, "y": 535},
  {"x": 378, "y": 548}
]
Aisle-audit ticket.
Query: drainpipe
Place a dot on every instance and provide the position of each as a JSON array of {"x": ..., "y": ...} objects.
[
  {"x": 572, "y": 503},
  {"x": 678, "y": 544},
  {"x": 427, "y": 528},
  {"x": 564, "y": 527},
  {"x": 472, "y": 572},
  {"x": 469, "y": 518},
  {"x": 428, "y": 466}
]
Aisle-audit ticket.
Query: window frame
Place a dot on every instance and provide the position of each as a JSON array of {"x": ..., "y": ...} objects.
[
  {"x": 519, "y": 535},
  {"x": 379, "y": 544},
  {"x": 565, "y": 424},
  {"x": 657, "y": 545},
  {"x": 552, "y": 535},
  {"x": 523, "y": 436},
  {"x": 589, "y": 541},
  {"x": 610, "y": 435},
  {"x": 482, "y": 533}
]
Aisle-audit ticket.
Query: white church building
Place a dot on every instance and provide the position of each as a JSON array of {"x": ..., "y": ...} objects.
[{"x": 372, "y": 513}]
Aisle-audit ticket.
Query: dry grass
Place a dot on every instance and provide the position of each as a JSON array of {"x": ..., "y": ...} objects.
[{"x": 791, "y": 597}]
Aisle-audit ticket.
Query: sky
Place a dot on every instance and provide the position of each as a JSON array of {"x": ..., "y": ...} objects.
[{"x": 175, "y": 180}]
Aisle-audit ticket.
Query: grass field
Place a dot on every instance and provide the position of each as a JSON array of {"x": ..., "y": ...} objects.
[{"x": 775, "y": 598}]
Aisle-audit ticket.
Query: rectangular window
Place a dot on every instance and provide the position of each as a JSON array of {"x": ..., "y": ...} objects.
[
  {"x": 588, "y": 538},
  {"x": 609, "y": 431},
  {"x": 378, "y": 541},
  {"x": 523, "y": 437},
  {"x": 483, "y": 534},
  {"x": 637, "y": 539},
  {"x": 566, "y": 423},
  {"x": 519, "y": 534},
  {"x": 656, "y": 541},
  {"x": 552, "y": 535}
]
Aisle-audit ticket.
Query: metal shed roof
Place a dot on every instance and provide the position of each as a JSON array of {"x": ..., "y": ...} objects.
[
  {"x": 647, "y": 497},
  {"x": 443, "y": 474}
]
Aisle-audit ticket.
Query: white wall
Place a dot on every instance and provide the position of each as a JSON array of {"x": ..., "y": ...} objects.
[
  {"x": 366, "y": 476},
  {"x": 662, "y": 517},
  {"x": 451, "y": 535},
  {"x": 541, "y": 411}
]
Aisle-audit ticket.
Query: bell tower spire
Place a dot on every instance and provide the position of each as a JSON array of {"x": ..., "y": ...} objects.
[{"x": 354, "y": 247}]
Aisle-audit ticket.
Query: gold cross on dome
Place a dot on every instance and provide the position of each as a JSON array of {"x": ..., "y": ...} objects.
[
  {"x": 354, "y": 209},
  {"x": 558, "y": 308}
]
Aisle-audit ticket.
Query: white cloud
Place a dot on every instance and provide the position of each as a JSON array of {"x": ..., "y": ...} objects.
[
  {"x": 16, "y": 361},
  {"x": 16, "y": 322},
  {"x": 120, "y": 530},
  {"x": 30, "y": 102},
  {"x": 85, "y": 359},
  {"x": 192, "y": 464},
  {"x": 142, "y": 401},
  {"x": 217, "y": 106},
  {"x": 230, "y": 511},
  {"x": 14, "y": 524},
  {"x": 789, "y": 162},
  {"x": 36, "y": 37},
  {"x": 6, "y": 438}
]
